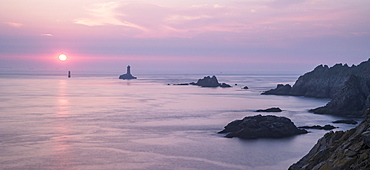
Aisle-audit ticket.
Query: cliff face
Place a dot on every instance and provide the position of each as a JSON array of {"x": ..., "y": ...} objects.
[
  {"x": 350, "y": 100},
  {"x": 322, "y": 82},
  {"x": 348, "y": 87},
  {"x": 340, "y": 150}
]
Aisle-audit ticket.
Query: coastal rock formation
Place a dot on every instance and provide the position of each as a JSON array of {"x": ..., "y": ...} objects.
[
  {"x": 259, "y": 126},
  {"x": 348, "y": 87},
  {"x": 210, "y": 82},
  {"x": 128, "y": 75},
  {"x": 340, "y": 150},
  {"x": 350, "y": 121},
  {"x": 326, "y": 127},
  {"x": 273, "y": 109},
  {"x": 279, "y": 90},
  {"x": 350, "y": 100}
]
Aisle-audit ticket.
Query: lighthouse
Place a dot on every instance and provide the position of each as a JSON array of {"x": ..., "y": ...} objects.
[
  {"x": 128, "y": 70},
  {"x": 128, "y": 75}
]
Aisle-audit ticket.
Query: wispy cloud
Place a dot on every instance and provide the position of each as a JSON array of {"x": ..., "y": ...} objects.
[
  {"x": 47, "y": 35},
  {"x": 14, "y": 24},
  {"x": 183, "y": 17},
  {"x": 105, "y": 14}
]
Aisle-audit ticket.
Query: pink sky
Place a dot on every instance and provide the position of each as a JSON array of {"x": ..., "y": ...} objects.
[{"x": 248, "y": 36}]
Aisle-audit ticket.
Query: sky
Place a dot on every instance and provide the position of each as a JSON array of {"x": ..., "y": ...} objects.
[{"x": 184, "y": 36}]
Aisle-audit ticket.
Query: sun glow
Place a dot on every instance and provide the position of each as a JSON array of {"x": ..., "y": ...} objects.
[{"x": 62, "y": 57}]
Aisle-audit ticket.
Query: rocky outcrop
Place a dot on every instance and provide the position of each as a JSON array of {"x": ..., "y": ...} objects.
[
  {"x": 348, "y": 87},
  {"x": 259, "y": 126},
  {"x": 340, "y": 150},
  {"x": 350, "y": 100},
  {"x": 348, "y": 121},
  {"x": 279, "y": 90},
  {"x": 273, "y": 109},
  {"x": 210, "y": 82},
  {"x": 326, "y": 127}
]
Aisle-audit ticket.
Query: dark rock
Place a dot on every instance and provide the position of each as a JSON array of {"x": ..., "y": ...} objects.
[
  {"x": 182, "y": 84},
  {"x": 210, "y": 82},
  {"x": 233, "y": 126},
  {"x": 259, "y": 126},
  {"x": 223, "y": 85},
  {"x": 352, "y": 122},
  {"x": 326, "y": 127},
  {"x": 348, "y": 87},
  {"x": 348, "y": 101},
  {"x": 245, "y": 87},
  {"x": 366, "y": 137},
  {"x": 340, "y": 150},
  {"x": 273, "y": 109},
  {"x": 128, "y": 75},
  {"x": 279, "y": 90}
]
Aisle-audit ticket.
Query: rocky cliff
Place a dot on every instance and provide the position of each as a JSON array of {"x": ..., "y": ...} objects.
[
  {"x": 340, "y": 150},
  {"x": 348, "y": 87}
]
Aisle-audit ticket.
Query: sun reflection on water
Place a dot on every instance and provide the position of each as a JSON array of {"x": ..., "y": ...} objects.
[{"x": 62, "y": 137}]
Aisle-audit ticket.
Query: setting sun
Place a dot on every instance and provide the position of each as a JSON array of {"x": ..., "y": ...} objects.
[{"x": 62, "y": 57}]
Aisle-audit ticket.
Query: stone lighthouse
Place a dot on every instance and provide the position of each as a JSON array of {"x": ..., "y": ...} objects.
[
  {"x": 128, "y": 75},
  {"x": 128, "y": 69}
]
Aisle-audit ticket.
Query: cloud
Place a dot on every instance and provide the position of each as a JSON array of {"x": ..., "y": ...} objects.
[
  {"x": 105, "y": 14},
  {"x": 246, "y": 22},
  {"x": 183, "y": 17},
  {"x": 284, "y": 3},
  {"x": 14, "y": 24},
  {"x": 47, "y": 35}
]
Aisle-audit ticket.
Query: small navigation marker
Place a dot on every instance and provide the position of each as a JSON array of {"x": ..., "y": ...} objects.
[{"x": 69, "y": 74}]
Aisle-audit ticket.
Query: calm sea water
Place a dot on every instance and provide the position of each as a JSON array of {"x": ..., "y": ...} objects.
[{"x": 100, "y": 122}]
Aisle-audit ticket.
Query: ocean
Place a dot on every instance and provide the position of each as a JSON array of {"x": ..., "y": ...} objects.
[{"x": 97, "y": 121}]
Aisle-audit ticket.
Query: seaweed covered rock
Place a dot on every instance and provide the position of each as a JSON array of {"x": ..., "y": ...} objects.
[{"x": 253, "y": 127}]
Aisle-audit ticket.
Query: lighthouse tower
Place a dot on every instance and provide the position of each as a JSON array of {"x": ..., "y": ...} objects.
[{"x": 128, "y": 70}]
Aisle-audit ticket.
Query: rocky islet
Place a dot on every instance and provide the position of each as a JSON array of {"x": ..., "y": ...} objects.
[{"x": 254, "y": 127}]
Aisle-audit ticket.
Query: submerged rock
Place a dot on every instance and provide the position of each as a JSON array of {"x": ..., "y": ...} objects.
[
  {"x": 340, "y": 150},
  {"x": 253, "y": 127},
  {"x": 273, "y": 109}
]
